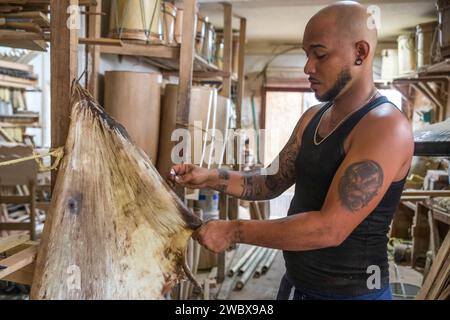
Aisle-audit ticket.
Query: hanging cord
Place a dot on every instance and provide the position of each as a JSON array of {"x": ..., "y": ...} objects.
[{"x": 58, "y": 153}]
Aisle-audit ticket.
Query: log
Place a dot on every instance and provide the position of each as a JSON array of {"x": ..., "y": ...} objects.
[{"x": 115, "y": 230}]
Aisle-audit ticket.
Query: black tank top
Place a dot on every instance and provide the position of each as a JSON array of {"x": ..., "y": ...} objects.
[{"x": 340, "y": 270}]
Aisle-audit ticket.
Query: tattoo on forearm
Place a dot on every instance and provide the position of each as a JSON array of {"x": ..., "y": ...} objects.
[
  {"x": 360, "y": 184},
  {"x": 252, "y": 184},
  {"x": 224, "y": 176}
]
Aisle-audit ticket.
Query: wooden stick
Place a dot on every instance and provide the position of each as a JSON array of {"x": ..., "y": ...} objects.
[
  {"x": 9, "y": 242},
  {"x": 249, "y": 261},
  {"x": 18, "y": 261},
  {"x": 251, "y": 269},
  {"x": 234, "y": 269},
  {"x": 269, "y": 261}
]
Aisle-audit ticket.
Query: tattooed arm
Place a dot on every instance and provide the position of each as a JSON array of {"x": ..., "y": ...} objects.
[
  {"x": 258, "y": 184},
  {"x": 372, "y": 162},
  {"x": 261, "y": 184}
]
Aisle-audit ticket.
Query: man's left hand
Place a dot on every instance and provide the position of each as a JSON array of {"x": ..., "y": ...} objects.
[{"x": 217, "y": 235}]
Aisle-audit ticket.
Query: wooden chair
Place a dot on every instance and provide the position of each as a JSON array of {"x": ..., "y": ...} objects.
[{"x": 19, "y": 182}]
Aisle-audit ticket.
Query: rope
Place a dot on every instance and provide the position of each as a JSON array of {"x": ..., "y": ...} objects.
[{"x": 58, "y": 153}]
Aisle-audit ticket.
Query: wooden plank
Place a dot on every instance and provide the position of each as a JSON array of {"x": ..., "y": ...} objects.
[
  {"x": 16, "y": 66},
  {"x": 241, "y": 69},
  {"x": 93, "y": 52},
  {"x": 143, "y": 50},
  {"x": 442, "y": 257},
  {"x": 9, "y": 242},
  {"x": 441, "y": 216},
  {"x": 64, "y": 64},
  {"x": 223, "y": 214},
  {"x": 227, "y": 48},
  {"x": 186, "y": 70},
  {"x": 430, "y": 193},
  {"x": 23, "y": 275},
  {"x": 101, "y": 42},
  {"x": 15, "y": 199},
  {"x": 18, "y": 261},
  {"x": 15, "y": 226},
  {"x": 38, "y": 17}
]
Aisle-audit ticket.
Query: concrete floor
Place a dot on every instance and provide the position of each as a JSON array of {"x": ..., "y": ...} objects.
[{"x": 266, "y": 287}]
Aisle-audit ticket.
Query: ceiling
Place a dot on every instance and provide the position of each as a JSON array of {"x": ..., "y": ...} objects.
[{"x": 285, "y": 20}]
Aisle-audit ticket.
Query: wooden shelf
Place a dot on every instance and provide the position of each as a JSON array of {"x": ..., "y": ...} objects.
[
  {"x": 167, "y": 58},
  {"x": 18, "y": 119},
  {"x": 16, "y": 83},
  {"x": 23, "y": 40}
]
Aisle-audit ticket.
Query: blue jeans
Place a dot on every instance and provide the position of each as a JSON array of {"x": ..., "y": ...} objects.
[{"x": 286, "y": 287}]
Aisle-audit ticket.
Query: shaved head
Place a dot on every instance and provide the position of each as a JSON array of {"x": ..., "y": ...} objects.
[
  {"x": 340, "y": 42},
  {"x": 350, "y": 20}
]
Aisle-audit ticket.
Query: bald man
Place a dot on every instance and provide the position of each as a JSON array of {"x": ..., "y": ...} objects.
[{"x": 348, "y": 157}]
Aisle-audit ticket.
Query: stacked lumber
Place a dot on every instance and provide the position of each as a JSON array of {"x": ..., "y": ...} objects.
[
  {"x": 248, "y": 262},
  {"x": 437, "y": 283},
  {"x": 24, "y": 24}
]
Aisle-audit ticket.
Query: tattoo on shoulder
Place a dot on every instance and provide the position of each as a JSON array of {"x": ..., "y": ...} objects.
[{"x": 360, "y": 184}]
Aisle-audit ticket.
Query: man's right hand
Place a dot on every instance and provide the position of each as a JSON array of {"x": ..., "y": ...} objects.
[{"x": 190, "y": 176}]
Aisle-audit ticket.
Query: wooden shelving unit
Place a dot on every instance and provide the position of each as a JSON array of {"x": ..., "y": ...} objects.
[{"x": 180, "y": 61}]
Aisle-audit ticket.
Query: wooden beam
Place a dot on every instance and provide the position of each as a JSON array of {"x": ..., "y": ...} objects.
[
  {"x": 153, "y": 51},
  {"x": 23, "y": 275},
  {"x": 429, "y": 193},
  {"x": 64, "y": 64},
  {"x": 9, "y": 242},
  {"x": 93, "y": 52},
  {"x": 227, "y": 48},
  {"x": 241, "y": 74},
  {"x": 186, "y": 70},
  {"x": 18, "y": 261}
]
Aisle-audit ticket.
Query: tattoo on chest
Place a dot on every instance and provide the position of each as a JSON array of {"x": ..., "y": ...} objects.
[{"x": 360, "y": 184}]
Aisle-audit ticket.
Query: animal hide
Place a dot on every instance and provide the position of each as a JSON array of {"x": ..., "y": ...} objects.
[{"x": 115, "y": 230}]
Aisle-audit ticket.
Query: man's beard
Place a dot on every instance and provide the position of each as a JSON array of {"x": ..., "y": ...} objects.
[{"x": 344, "y": 77}]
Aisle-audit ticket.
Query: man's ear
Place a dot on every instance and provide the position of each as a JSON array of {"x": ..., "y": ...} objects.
[{"x": 362, "y": 49}]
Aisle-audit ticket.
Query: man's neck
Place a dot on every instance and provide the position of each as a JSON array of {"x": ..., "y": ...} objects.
[{"x": 353, "y": 98}]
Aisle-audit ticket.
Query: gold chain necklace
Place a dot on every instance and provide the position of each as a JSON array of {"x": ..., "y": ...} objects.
[{"x": 340, "y": 122}]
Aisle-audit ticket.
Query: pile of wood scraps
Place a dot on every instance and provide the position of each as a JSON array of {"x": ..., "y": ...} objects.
[
  {"x": 437, "y": 282},
  {"x": 24, "y": 25},
  {"x": 17, "y": 259},
  {"x": 248, "y": 262}
]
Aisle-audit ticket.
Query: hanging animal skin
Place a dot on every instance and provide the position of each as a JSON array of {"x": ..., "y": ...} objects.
[{"x": 115, "y": 230}]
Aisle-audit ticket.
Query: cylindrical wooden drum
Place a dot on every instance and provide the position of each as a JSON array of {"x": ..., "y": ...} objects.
[
  {"x": 136, "y": 20},
  {"x": 168, "y": 22},
  {"x": 406, "y": 53},
  {"x": 133, "y": 99},
  {"x": 425, "y": 39}
]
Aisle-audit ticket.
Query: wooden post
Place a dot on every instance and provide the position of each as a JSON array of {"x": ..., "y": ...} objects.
[
  {"x": 33, "y": 209},
  {"x": 241, "y": 73},
  {"x": 186, "y": 70},
  {"x": 227, "y": 49},
  {"x": 64, "y": 64},
  {"x": 93, "y": 52}
]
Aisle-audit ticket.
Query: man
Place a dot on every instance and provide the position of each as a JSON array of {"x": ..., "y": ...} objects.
[{"x": 348, "y": 158}]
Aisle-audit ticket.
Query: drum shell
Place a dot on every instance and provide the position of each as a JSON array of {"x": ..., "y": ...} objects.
[
  {"x": 133, "y": 99},
  {"x": 132, "y": 21}
]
